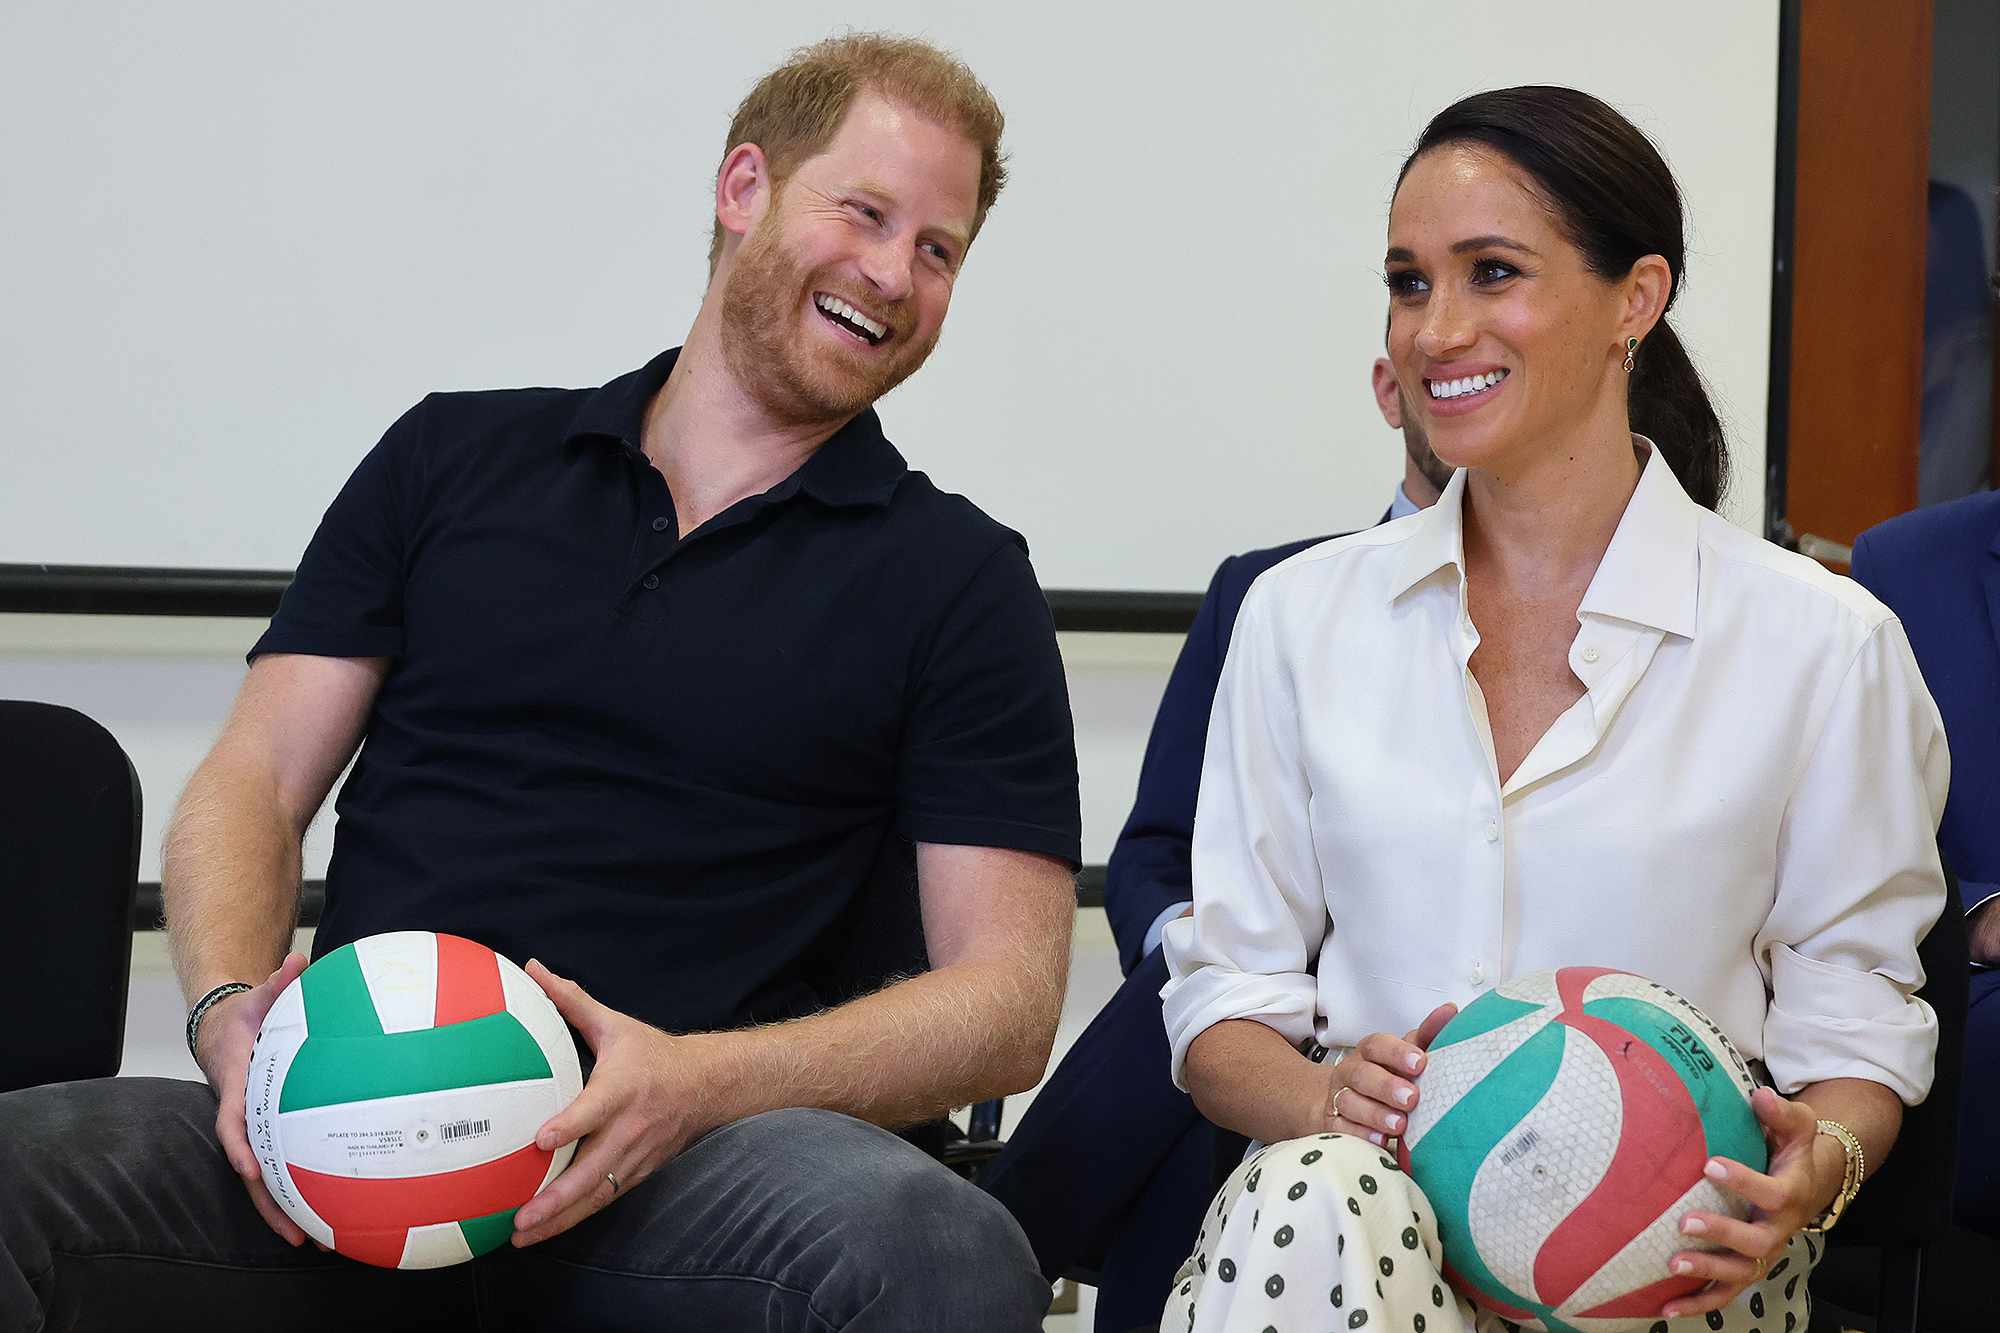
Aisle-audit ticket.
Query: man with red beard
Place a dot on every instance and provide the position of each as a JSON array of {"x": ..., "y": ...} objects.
[{"x": 688, "y": 688}]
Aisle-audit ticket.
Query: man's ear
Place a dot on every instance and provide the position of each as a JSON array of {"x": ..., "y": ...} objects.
[
  {"x": 1388, "y": 397},
  {"x": 742, "y": 189}
]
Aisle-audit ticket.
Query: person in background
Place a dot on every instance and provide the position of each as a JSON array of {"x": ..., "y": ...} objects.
[
  {"x": 1938, "y": 569},
  {"x": 1111, "y": 1164},
  {"x": 1569, "y": 714},
  {"x": 688, "y": 687}
]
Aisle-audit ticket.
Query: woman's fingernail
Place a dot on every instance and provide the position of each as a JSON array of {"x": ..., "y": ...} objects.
[
  {"x": 1403, "y": 1096},
  {"x": 1683, "y": 1266},
  {"x": 1375, "y": 1137},
  {"x": 1395, "y": 1124},
  {"x": 1715, "y": 1170},
  {"x": 1694, "y": 1226},
  {"x": 1414, "y": 1063}
]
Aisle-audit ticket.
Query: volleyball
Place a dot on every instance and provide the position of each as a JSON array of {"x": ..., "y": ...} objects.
[
  {"x": 394, "y": 1094},
  {"x": 1562, "y": 1124}
]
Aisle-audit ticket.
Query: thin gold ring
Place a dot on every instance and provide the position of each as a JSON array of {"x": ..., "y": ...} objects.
[
  {"x": 1760, "y": 1270},
  {"x": 612, "y": 1176},
  {"x": 1337, "y": 1094}
]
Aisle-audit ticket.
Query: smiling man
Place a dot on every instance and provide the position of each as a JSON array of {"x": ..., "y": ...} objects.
[{"x": 688, "y": 688}]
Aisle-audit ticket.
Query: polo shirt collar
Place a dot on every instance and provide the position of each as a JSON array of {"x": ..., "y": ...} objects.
[
  {"x": 1649, "y": 573},
  {"x": 856, "y": 466}
]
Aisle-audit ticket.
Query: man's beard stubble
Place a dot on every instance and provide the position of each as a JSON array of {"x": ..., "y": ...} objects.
[{"x": 771, "y": 358}]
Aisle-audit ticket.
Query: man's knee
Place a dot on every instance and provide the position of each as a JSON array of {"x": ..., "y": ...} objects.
[{"x": 913, "y": 1240}]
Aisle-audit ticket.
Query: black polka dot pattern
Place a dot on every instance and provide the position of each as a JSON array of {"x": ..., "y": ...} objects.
[{"x": 1287, "y": 1267}]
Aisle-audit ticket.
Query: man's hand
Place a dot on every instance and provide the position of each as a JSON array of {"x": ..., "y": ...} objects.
[
  {"x": 640, "y": 1108},
  {"x": 228, "y": 1031},
  {"x": 1982, "y": 929}
]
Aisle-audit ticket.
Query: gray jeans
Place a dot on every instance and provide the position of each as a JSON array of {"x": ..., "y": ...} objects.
[{"x": 117, "y": 1211}]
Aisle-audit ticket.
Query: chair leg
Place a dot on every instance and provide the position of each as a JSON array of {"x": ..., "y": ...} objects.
[{"x": 1896, "y": 1296}]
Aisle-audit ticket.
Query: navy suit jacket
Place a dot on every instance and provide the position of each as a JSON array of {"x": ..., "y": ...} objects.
[
  {"x": 1938, "y": 569},
  {"x": 1149, "y": 868}
]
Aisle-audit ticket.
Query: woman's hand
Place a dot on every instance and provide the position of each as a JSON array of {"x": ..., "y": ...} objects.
[
  {"x": 1798, "y": 1186},
  {"x": 1371, "y": 1090}
]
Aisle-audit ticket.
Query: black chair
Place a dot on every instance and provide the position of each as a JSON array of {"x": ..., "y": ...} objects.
[
  {"x": 69, "y": 867},
  {"x": 1873, "y": 1274}
]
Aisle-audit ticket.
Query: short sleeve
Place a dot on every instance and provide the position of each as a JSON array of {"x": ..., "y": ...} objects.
[
  {"x": 346, "y": 600},
  {"x": 989, "y": 749},
  {"x": 1859, "y": 884},
  {"x": 1259, "y": 903}
]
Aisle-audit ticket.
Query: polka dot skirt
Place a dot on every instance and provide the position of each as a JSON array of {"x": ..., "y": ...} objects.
[{"x": 1326, "y": 1232}]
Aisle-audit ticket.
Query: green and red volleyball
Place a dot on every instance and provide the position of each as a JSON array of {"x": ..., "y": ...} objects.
[
  {"x": 394, "y": 1095},
  {"x": 1563, "y": 1122}
]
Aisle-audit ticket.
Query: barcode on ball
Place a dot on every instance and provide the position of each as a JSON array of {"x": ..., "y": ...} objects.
[{"x": 463, "y": 1129}]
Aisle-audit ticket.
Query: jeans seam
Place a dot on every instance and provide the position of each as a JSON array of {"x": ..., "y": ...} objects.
[
  {"x": 787, "y": 1288},
  {"x": 234, "y": 1267}
]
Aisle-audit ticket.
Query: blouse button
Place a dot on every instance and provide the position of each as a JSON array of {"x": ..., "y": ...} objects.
[
  {"x": 1492, "y": 831},
  {"x": 1591, "y": 654},
  {"x": 1478, "y": 973}
]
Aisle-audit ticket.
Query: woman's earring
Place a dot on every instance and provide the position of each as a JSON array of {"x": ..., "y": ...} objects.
[{"x": 1631, "y": 347}]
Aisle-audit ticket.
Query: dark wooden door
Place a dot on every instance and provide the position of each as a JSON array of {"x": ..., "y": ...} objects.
[{"x": 1855, "y": 382}]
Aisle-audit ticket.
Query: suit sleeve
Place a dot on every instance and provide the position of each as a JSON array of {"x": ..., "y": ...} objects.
[{"x": 1149, "y": 867}]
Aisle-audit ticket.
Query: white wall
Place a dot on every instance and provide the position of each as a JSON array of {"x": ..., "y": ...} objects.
[{"x": 241, "y": 237}]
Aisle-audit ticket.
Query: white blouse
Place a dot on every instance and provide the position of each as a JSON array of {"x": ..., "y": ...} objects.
[{"x": 1743, "y": 805}]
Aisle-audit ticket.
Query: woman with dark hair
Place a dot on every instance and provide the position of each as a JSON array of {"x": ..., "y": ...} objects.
[{"x": 1566, "y": 716}]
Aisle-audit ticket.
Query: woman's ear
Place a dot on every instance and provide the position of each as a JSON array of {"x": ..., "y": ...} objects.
[{"x": 1646, "y": 289}]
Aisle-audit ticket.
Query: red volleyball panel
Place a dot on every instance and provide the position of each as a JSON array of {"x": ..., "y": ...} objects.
[
  {"x": 1645, "y": 1302},
  {"x": 1641, "y": 1181},
  {"x": 382, "y": 1248},
  {"x": 468, "y": 981},
  {"x": 415, "y": 1201}
]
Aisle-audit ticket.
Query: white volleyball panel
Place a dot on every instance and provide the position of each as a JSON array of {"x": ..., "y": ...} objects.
[
  {"x": 421, "y": 1133},
  {"x": 436, "y": 1246},
  {"x": 1551, "y": 1161},
  {"x": 400, "y": 969}
]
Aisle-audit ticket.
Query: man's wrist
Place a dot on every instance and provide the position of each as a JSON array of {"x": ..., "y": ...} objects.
[{"x": 204, "y": 1006}]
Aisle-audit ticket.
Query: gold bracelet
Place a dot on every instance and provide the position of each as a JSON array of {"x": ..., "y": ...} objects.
[{"x": 1850, "y": 1181}]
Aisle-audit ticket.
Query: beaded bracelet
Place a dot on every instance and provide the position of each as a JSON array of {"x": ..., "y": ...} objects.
[{"x": 207, "y": 1002}]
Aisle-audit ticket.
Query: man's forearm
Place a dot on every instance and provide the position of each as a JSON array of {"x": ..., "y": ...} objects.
[
  {"x": 229, "y": 879},
  {"x": 907, "y": 1053}
]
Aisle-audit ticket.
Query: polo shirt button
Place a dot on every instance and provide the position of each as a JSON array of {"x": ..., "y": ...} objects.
[
  {"x": 1478, "y": 974},
  {"x": 650, "y": 582},
  {"x": 1591, "y": 654},
  {"x": 1492, "y": 831},
  {"x": 659, "y": 525}
]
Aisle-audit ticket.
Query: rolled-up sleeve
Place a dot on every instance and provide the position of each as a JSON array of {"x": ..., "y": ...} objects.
[
  {"x": 1259, "y": 906},
  {"x": 1859, "y": 884}
]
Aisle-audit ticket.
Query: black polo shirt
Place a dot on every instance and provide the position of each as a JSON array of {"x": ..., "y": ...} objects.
[{"x": 685, "y": 771}]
